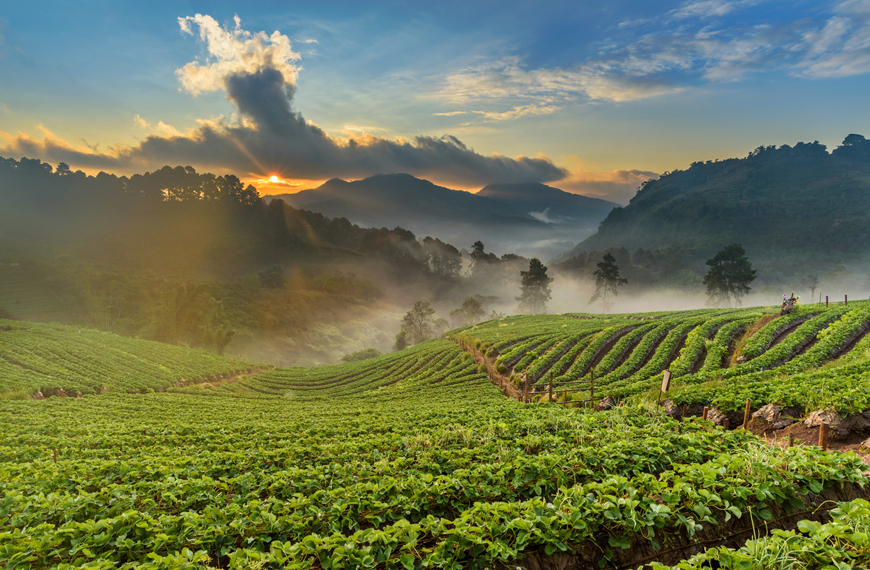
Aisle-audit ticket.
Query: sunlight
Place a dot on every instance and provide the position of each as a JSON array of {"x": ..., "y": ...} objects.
[{"x": 273, "y": 178}]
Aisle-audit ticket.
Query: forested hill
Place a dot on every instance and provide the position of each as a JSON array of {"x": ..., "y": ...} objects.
[{"x": 775, "y": 202}]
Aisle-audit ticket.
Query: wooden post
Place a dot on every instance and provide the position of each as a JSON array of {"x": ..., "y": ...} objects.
[
  {"x": 55, "y": 455},
  {"x": 726, "y": 424},
  {"x": 683, "y": 412},
  {"x": 551, "y": 389},
  {"x": 704, "y": 413},
  {"x": 791, "y": 440},
  {"x": 826, "y": 301},
  {"x": 847, "y": 301},
  {"x": 592, "y": 388},
  {"x": 823, "y": 437},
  {"x": 746, "y": 415}
]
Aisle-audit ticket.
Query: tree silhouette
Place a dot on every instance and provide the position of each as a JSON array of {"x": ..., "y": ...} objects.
[
  {"x": 729, "y": 276},
  {"x": 417, "y": 323},
  {"x": 535, "y": 288},
  {"x": 811, "y": 282},
  {"x": 607, "y": 280}
]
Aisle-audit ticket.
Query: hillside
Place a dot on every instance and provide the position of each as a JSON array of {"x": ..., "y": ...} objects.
[
  {"x": 533, "y": 220},
  {"x": 408, "y": 460},
  {"x": 774, "y": 202}
]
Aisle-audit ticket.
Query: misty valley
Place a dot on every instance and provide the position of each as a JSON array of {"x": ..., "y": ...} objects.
[{"x": 435, "y": 286}]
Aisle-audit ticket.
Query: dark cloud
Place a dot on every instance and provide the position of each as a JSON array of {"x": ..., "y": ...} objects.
[{"x": 272, "y": 137}]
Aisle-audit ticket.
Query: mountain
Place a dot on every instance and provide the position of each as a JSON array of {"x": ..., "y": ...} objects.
[
  {"x": 528, "y": 219},
  {"x": 548, "y": 203},
  {"x": 794, "y": 209}
]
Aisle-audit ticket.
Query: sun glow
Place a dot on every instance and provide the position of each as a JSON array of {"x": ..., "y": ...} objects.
[{"x": 273, "y": 178}]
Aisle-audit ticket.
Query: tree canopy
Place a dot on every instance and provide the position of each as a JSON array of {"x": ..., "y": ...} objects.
[
  {"x": 607, "y": 280},
  {"x": 535, "y": 288},
  {"x": 729, "y": 276}
]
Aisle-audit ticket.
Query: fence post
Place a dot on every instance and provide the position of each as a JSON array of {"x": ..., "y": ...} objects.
[
  {"x": 550, "y": 387},
  {"x": 592, "y": 388},
  {"x": 826, "y": 301},
  {"x": 847, "y": 301},
  {"x": 704, "y": 413},
  {"x": 823, "y": 437},
  {"x": 746, "y": 415},
  {"x": 791, "y": 440}
]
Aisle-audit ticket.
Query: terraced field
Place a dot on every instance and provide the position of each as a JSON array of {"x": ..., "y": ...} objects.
[
  {"x": 410, "y": 460},
  {"x": 816, "y": 358}
]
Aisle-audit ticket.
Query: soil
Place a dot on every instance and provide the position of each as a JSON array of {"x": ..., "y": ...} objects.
[{"x": 810, "y": 436}]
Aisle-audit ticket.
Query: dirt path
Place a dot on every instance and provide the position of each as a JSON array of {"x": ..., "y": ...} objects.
[{"x": 503, "y": 382}]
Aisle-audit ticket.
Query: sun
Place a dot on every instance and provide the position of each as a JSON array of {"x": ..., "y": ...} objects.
[{"x": 273, "y": 178}]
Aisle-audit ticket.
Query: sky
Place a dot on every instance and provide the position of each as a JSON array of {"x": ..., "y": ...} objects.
[{"x": 587, "y": 96}]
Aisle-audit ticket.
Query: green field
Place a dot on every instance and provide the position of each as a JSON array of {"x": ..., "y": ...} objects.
[{"x": 414, "y": 459}]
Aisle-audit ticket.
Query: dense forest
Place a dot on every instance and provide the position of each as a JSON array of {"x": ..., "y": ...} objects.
[
  {"x": 198, "y": 259},
  {"x": 776, "y": 202}
]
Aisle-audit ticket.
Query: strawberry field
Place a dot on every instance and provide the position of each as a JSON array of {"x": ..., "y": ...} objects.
[{"x": 415, "y": 460}]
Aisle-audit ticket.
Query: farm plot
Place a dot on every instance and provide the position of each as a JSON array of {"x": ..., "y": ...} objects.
[{"x": 46, "y": 360}]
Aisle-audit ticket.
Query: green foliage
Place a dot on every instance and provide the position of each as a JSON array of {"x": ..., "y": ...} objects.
[
  {"x": 841, "y": 544},
  {"x": 364, "y": 354},
  {"x": 417, "y": 322},
  {"x": 729, "y": 276},
  {"x": 535, "y": 288},
  {"x": 607, "y": 280}
]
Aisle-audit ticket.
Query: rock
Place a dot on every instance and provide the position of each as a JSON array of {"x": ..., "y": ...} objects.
[
  {"x": 776, "y": 416},
  {"x": 672, "y": 409},
  {"x": 718, "y": 417},
  {"x": 842, "y": 425},
  {"x": 607, "y": 403},
  {"x": 866, "y": 443}
]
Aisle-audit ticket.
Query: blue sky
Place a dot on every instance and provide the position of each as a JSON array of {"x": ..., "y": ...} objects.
[{"x": 590, "y": 97}]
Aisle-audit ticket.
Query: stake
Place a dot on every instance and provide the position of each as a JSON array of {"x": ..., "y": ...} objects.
[
  {"x": 726, "y": 424},
  {"x": 592, "y": 388},
  {"x": 826, "y": 301},
  {"x": 551, "y": 389},
  {"x": 746, "y": 415},
  {"x": 704, "y": 413},
  {"x": 823, "y": 437},
  {"x": 847, "y": 300},
  {"x": 55, "y": 455},
  {"x": 791, "y": 440}
]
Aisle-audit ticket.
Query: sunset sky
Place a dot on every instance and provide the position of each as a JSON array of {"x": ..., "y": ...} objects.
[{"x": 588, "y": 96}]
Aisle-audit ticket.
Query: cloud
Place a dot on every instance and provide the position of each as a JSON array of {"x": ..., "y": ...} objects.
[
  {"x": 449, "y": 114},
  {"x": 507, "y": 78},
  {"x": 681, "y": 49},
  {"x": 521, "y": 111},
  {"x": 258, "y": 73},
  {"x": 233, "y": 52},
  {"x": 705, "y": 9},
  {"x": 618, "y": 186}
]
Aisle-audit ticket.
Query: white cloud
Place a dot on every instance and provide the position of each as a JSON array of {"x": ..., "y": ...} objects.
[
  {"x": 507, "y": 78},
  {"x": 516, "y": 112},
  {"x": 449, "y": 114},
  {"x": 704, "y": 9},
  {"x": 672, "y": 58},
  {"x": 234, "y": 51},
  {"x": 140, "y": 122}
]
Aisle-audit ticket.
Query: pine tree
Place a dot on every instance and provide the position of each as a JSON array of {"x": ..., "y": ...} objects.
[
  {"x": 607, "y": 280},
  {"x": 535, "y": 288}
]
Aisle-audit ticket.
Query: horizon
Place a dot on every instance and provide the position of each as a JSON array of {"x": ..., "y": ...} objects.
[{"x": 589, "y": 100}]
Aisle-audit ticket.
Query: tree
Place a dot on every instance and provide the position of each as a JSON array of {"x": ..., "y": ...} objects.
[
  {"x": 474, "y": 310},
  {"x": 401, "y": 340},
  {"x": 811, "y": 282},
  {"x": 535, "y": 288},
  {"x": 418, "y": 322},
  {"x": 607, "y": 280},
  {"x": 729, "y": 276}
]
